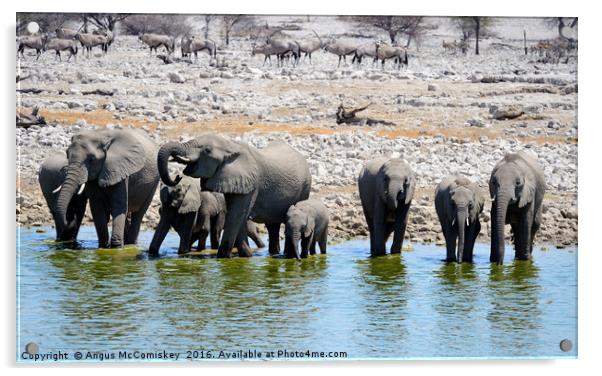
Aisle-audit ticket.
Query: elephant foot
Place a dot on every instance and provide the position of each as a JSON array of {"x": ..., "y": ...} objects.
[
  {"x": 451, "y": 259},
  {"x": 244, "y": 251},
  {"x": 116, "y": 244},
  {"x": 395, "y": 251},
  {"x": 221, "y": 253}
]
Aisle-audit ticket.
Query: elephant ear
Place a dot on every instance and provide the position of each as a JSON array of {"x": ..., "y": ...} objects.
[
  {"x": 192, "y": 200},
  {"x": 528, "y": 193},
  {"x": 479, "y": 203},
  {"x": 309, "y": 227},
  {"x": 238, "y": 173},
  {"x": 164, "y": 195},
  {"x": 410, "y": 190},
  {"x": 124, "y": 157}
]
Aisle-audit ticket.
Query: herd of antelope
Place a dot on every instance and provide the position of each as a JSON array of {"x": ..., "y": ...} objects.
[{"x": 283, "y": 48}]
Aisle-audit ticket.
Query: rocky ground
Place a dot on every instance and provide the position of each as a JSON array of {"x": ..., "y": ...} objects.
[{"x": 450, "y": 114}]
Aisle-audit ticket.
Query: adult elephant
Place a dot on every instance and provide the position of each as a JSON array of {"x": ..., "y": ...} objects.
[
  {"x": 260, "y": 184},
  {"x": 119, "y": 170},
  {"x": 51, "y": 176},
  {"x": 459, "y": 203},
  {"x": 386, "y": 189},
  {"x": 517, "y": 187}
]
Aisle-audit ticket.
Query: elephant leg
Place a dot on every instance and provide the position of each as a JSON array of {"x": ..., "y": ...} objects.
[
  {"x": 305, "y": 246},
  {"x": 379, "y": 229},
  {"x": 241, "y": 242},
  {"x": 214, "y": 233},
  {"x": 202, "y": 236},
  {"x": 312, "y": 246},
  {"x": 238, "y": 212},
  {"x": 522, "y": 235},
  {"x": 136, "y": 222},
  {"x": 401, "y": 221},
  {"x": 473, "y": 233},
  {"x": 323, "y": 241},
  {"x": 450, "y": 234},
  {"x": 274, "y": 238},
  {"x": 187, "y": 223},
  {"x": 254, "y": 235},
  {"x": 534, "y": 229},
  {"x": 100, "y": 216},
  {"x": 159, "y": 236},
  {"x": 119, "y": 208}
]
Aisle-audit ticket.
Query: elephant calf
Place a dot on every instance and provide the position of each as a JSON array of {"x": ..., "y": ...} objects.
[
  {"x": 458, "y": 203},
  {"x": 307, "y": 222},
  {"x": 51, "y": 177},
  {"x": 194, "y": 214},
  {"x": 386, "y": 190},
  {"x": 517, "y": 188}
]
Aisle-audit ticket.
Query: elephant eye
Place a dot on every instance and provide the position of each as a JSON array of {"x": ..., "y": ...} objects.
[{"x": 518, "y": 182}]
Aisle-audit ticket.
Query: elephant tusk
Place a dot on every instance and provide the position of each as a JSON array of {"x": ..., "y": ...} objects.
[
  {"x": 453, "y": 221},
  {"x": 493, "y": 198},
  {"x": 182, "y": 159},
  {"x": 81, "y": 189},
  {"x": 57, "y": 189},
  {"x": 467, "y": 222}
]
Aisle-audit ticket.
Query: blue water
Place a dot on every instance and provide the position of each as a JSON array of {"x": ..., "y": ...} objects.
[{"x": 411, "y": 305}]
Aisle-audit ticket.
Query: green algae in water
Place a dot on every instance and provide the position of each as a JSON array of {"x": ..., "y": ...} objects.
[{"x": 74, "y": 297}]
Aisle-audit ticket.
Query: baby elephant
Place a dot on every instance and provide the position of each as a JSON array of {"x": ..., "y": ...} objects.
[
  {"x": 386, "y": 191},
  {"x": 307, "y": 222},
  {"x": 194, "y": 214},
  {"x": 458, "y": 203}
]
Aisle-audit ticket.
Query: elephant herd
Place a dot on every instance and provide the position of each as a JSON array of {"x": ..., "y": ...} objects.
[{"x": 228, "y": 186}]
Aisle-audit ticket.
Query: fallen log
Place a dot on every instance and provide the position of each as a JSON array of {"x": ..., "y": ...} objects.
[
  {"x": 345, "y": 116},
  {"x": 27, "y": 120},
  {"x": 98, "y": 92}
]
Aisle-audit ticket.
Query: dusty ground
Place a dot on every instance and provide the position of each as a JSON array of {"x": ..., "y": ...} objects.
[{"x": 443, "y": 115}]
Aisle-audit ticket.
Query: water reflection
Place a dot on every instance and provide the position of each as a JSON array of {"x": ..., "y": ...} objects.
[
  {"x": 456, "y": 297},
  {"x": 405, "y": 305},
  {"x": 514, "y": 312},
  {"x": 99, "y": 292},
  {"x": 383, "y": 287}
]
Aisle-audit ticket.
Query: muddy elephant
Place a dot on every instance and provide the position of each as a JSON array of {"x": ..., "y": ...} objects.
[
  {"x": 306, "y": 222},
  {"x": 258, "y": 184},
  {"x": 51, "y": 176},
  {"x": 119, "y": 170},
  {"x": 459, "y": 202},
  {"x": 194, "y": 215},
  {"x": 517, "y": 187},
  {"x": 386, "y": 188}
]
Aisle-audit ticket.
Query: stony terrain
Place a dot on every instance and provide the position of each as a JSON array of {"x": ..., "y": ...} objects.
[{"x": 450, "y": 113}]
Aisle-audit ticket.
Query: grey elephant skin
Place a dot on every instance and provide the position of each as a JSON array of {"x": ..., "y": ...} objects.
[
  {"x": 459, "y": 203},
  {"x": 119, "y": 170},
  {"x": 193, "y": 214},
  {"x": 386, "y": 188},
  {"x": 307, "y": 223},
  {"x": 260, "y": 184},
  {"x": 517, "y": 187},
  {"x": 51, "y": 176}
]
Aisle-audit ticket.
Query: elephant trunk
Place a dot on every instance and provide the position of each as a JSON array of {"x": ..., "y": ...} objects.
[
  {"x": 170, "y": 149},
  {"x": 461, "y": 221},
  {"x": 497, "y": 230},
  {"x": 76, "y": 175},
  {"x": 294, "y": 237}
]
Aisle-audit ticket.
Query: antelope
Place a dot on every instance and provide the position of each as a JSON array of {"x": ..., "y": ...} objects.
[
  {"x": 64, "y": 33},
  {"x": 341, "y": 48},
  {"x": 153, "y": 41},
  {"x": 309, "y": 46},
  {"x": 195, "y": 44},
  {"x": 368, "y": 49},
  {"x": 59, "y": 45},
  {"x": 89, "y": 41},
  {"x": 385, "y": 52},
  {"x": 35, "y": 42}
]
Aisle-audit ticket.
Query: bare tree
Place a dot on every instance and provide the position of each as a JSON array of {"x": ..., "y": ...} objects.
[
  {"x": 168, "y": 24},
  {"x": 48, "y": 21},
  {"x": 233, "y": 22},
  {"x": 208, "y": 18},
  {"x": 562, "y": 23},
  {"x": 105, "y": 21},
  {"x": 410, "y": 26},
  {"x": 474, "y": 26}
]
